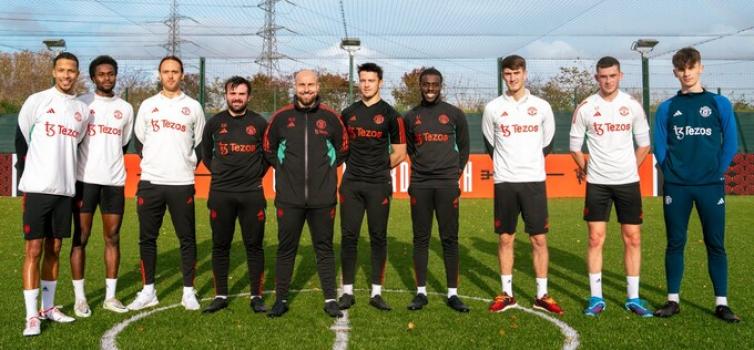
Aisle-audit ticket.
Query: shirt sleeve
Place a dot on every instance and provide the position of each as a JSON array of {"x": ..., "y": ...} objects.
[
  {"x": 340, "y": 138},
  {"x": 26, "y": 117},
  {"x": 397, "y": 128},
  {"x": 640, "y": 125},
  {"x": 199, "y": 125},
  {"x": 271, "y": 140},
  {"x": 140, "y": 123},
  {"x": 548, "y": 127},
  {"x": 661, "y": 132},
  {"x": 730, "y": 133},
  {"x": 410, "y": 141},
  {"x": 578, "y": 129},
  {"x": 208, "y": 144},
  {"x": 488, "y": 128},
  {"x": 462, "y": 140},
  {"x": 128, "y": 129}
]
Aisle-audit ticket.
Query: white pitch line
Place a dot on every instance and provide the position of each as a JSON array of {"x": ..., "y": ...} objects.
[
  {"x": 571, "y": 341},
  {"x": 108, "y": 342},
  {"x": 341, "y": 326}
]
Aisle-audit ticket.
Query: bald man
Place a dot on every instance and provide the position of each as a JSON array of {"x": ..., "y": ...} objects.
[{"x": 305, "y": 142}]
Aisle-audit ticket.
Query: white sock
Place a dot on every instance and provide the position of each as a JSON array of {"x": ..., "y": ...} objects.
[
  {"x": 452, "y": 292},
  {"x": 674, "y": 297},
  {"x": 188, "y": 290},
  {"x": 721, "y": 301},
  {"x": 78, "y": 289},
  {"x": 48, "y": 294},
  {"x": 376, "y": 289},
  {"x": 348, "y": 289},
  {"x": 541, "y": 287},
  {"x": 328, "y": 300},
  {"x": 255, "y": 296},
  {"x": 507, "y": 281},
  {"x": 110, "y": 287},
  {"x": 632, "y": 288},
  {"x": 221, "y": 296},
  {"x": 595, "y": 284},
  {"x": 30, "y": 300},
  {"x": 421, "y": 290},
  {"x": 148, "y": 288}
]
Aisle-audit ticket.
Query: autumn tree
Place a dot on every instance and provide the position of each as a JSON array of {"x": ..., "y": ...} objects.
[
  {"x": 333, "y": 90},
  {"x": 408, "y": 93},
  {"x": 268, "y": 93},
  {"x": 567, "y": 89}
]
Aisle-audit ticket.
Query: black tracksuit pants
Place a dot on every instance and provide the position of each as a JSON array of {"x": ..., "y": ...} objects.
[
  {"x": 290, "y": 224},
  {"x": 249, "y": 208},
  {"x": 357, "y": 197},
  {"x": 151, "y": 202},
  {"x": 443, "y": 202}
]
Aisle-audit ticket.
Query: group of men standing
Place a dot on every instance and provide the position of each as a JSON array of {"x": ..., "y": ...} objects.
[{"x": 72, "y": 147}]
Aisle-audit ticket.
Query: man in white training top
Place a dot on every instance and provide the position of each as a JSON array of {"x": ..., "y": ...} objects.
[
  {"x": 100, "y": 181},
  {"x": 168, "y": 130},
  {"x": 611, "y": 119},
  {"x": 51, "y": 124}
]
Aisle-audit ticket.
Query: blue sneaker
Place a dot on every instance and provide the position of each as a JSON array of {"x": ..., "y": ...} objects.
[
  {"x": 595, "y": 307},
  {"x": 638, "y": 306}
]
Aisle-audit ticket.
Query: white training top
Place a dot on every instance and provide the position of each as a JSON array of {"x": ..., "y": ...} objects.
[
  {"x": 111, "y": 121},
  {"x": 53, "y": 123},
  {"x": 518, "y": 131},
  {"x": 169, "y": 129},
  {"x": 609, "y": 126}
]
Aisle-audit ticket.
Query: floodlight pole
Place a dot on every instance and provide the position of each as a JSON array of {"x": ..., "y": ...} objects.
[
  {"x": 202, "y": 96},
  {"x": 55, "y": 46},
  {"x": 644, "y": 47},
  {"x": 351, "y": 45},
  {"x": 499, "y": 76}
]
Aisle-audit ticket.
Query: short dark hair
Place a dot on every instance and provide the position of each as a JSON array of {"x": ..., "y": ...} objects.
[
  {"x": 170, "y": 58},
  {"x": 100, "y": 60},
  {"x": 67, "y": 56},
  {"x": 236, "y": 81},
  {"x": 371, "y": 67},
  {"x": 686, "y": 57},
  {"x": 430, "y": 71},
  {"x": 514, "y": 62},
  {"x": 607, "y": 62}
]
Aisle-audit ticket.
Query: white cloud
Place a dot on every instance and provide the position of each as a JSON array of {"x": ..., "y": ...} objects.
[{"x": 554, "y": 50}]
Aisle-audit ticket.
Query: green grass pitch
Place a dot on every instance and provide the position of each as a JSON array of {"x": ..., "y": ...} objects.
[{"x": 437, "y": 327}]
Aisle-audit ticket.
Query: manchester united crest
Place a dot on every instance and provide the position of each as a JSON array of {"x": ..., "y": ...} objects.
[
  {"x": 321, "y": 124},
  {"x": 378, "y": 119},
  {"x": 118, "y": 114},
  {"x": 532, "y": 111},
  {"x": 185, "y": 111},
  {"x": 623, "y": 111},
  {"x": 251, "y": 130},
  {"x": 443, "y": 119}
]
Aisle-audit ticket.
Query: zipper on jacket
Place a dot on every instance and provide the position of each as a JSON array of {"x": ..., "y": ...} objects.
[{"x": 306, "y": 158}]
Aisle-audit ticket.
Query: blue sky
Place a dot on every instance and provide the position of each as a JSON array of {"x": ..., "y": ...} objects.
[{"x": 462, "y": 38}]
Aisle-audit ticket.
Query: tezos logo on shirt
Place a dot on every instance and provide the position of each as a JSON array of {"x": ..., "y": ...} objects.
[{"x": 681, "y": 132}]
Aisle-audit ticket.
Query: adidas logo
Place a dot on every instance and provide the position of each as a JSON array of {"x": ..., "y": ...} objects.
[
  {"x": 155, "y": 110},
  {"x": 677, "y": 113},
  {"x": 597, "y": 114},
  {"x": 721, "y": 201},
  {"x": 51, "y": 111}
]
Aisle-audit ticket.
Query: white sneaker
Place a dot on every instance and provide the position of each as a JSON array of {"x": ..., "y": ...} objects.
[
  {"x": 55, "y": 315},
  {"x": 32, "y": 326},
  {"x": 189, "y": 301},
  {"x": 143, "y": 300},
  {"x": 114, "y": 305},
  {"x": 81, "y": 308}
]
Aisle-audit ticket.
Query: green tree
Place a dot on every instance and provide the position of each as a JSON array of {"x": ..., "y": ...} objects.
[
  {"x": 333, "y": 90},
  {"x": 268, "y": 93}
]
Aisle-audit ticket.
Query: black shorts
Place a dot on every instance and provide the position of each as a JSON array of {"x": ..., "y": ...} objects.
[
  {"x": 46, "y": 215},
  {"x": 599, "y": 201},
  {"x": 526, "y": 198},
  {"x": 111, "y": 199}
]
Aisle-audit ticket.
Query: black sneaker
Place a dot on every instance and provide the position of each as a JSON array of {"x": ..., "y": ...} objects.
[
  {"x": 279, "y": 308},
  {"x": 669, "y": 309},
  {"x": 455, "y": 303},
  {"x": 379, "y": 303},
  {"x": 346, "y": 301},
  {"x": 332, "y": 309},
  {"x": 217, "y": 304},
  {"x": 418, "y": 302},
  {"x": 724, "y": 313},
  {"x": 257, "y": 305}
]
